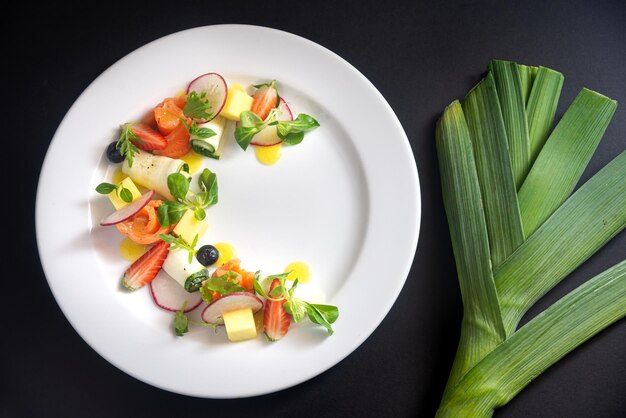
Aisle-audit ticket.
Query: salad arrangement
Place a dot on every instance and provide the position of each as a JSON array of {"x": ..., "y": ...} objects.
[{"x": 160, "y": 206}]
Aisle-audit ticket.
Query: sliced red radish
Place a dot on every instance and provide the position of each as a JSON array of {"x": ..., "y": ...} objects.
[
  {"x": 268, "y": 136},
  {"x": 127, "y": 211},
  {"x": 216, "y": 90},
  {"x": 212, "y": 314},
  {"x": 169, "y": 295}
]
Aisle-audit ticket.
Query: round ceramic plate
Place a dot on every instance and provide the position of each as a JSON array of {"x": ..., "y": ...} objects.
[{"x": 346, "y": 201}]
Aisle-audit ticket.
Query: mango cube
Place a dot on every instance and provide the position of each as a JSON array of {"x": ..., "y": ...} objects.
[
  {"x": 240, "y": 325},
  {"x": 189, "y": 226},
  {"x": 117, "y": 201},
  {"x": 237, "y": 101}
]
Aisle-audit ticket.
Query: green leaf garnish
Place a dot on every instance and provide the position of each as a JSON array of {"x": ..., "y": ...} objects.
[
  {"x": 181, "y": 322},
  {"x": 170, "y": 212},
  {"x": 323, "y": 315},
  {"x": 208, "y": 183},
  {"x": 197, "y": 133},
  {"x": 125, "y": 194},
  {"x": 197, "y": 106},
  {"x": 105, "y": 188},
  {"x": 122, "y": 192},
  {"x": 178, "y": 243},
  {"x": 125, "y": 143},
  {"x": 290, "y": 131}
]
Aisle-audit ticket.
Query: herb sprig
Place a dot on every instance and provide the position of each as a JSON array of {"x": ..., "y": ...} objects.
[
  {"x": 197, "y": 133},
  {"x": 125, "y": 143},
  {"x": 181, "y": 322},
  {"x": 178, "y": 243},
  {"x": 122, "y": 192},
  {"x": 320, "y": 314},
  {"x": 171, "y": 211},
  {"x": 197, "y": 106},
  {"x": 290, "y": 131},
  {"x": 220, "y": 284}
]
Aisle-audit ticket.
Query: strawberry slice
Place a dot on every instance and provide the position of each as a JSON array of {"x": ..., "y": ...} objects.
[
  {"x": 265, "y": 99},
  {"x": 145, "y": 269},
  {"x": 177, "y": 143},
  {"x": 147, "y": 138},
  {"x": 275, "y": 320}
]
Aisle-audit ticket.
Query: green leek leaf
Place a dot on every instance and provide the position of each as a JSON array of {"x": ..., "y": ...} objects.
[
  {"x": 513, "y": 104},
  {"x": 564, "y": 157},
  {"x": 482, "y": 328},
  {"x": 540, "y": 343},
  {"x": 581, "y": 226},
  {"x": 497, "y": 187},
  {"x": 541, "y": 107}
]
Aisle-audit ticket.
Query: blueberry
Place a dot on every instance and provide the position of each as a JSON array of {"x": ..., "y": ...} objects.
[
  {"x": 113, "y": 153},
  {"x": 207, "y": 255}
]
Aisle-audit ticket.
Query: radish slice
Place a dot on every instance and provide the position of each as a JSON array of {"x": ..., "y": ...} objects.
[
  {"x": 216, "y": 91},
  {"x": 268, "y": 136},
  {"x": 212, "y": 314},
  {"x": 169, "y": 295},
  {"x": 127, "y": 211}
]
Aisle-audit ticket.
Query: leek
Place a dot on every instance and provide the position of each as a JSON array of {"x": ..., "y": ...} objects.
[
  {"x": 540, "y": 343},
  {"x": 541, "y": 107},
  {"x": 585, "y": 222},
  {"x": 564, "y": 157},
  {"x": 510, "y": 246},
  {"x": 513, "y": 105},
  {"x": 486, "y": 126},
  {"x": 482, "y": 330}
]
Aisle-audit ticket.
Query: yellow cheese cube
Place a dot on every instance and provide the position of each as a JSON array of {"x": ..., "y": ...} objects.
[
  {"x": 189, "y": 226},
  {"x": 240, "y": 324},
  {"x": 237, "y": 101},
  {"x": 127, "y": 183}
]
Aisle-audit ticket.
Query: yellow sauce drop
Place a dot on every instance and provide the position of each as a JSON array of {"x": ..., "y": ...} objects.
[
  {"x": 269, "y": 155},
  {"x": 130, "y": 250},
  {"x": 194, "y": 160},
  {"x": 298, "y": 270},
  {"x": 118, "y": 176},
  {"x": 227, "y": 252}
]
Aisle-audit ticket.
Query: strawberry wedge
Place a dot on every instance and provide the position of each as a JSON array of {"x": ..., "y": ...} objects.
[
  {"x": 147, "y": 139},
  {"x": 265, "y": 99},
  {"x": 275, "y": 320},
  {"x": 145, "y": 269}
]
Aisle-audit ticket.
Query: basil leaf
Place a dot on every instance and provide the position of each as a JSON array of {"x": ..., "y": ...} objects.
[
  {"x": 170, "y": 212},
  {"x": 105, "y": 188},
  {"x": 248, "y": 119},
  {"x": 330, "y": 312},
  {"x": 178, "y": 185},
  {"x": 208, "y": 183},
  {"x": 125, "y": 195},
  {"x": 204, "y": 133},
  {"x": 292, "y": 131},
  {"x": 293, "y": 138},
  {"x": 244, "y": 135},
  {"x": 316, "y": 316}
]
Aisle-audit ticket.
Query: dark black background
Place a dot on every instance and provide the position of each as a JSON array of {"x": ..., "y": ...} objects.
[{"x": 421, "y": 56}]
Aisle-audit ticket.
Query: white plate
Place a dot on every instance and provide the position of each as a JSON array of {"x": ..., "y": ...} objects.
[{"x": 346, "y": 201}]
